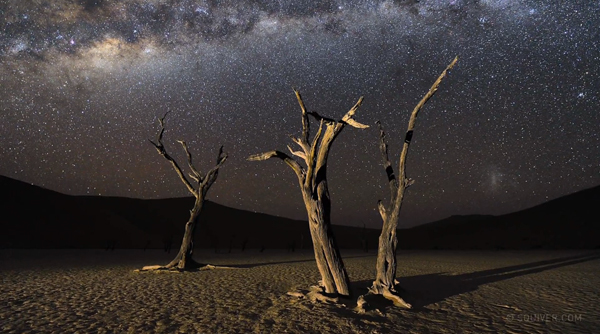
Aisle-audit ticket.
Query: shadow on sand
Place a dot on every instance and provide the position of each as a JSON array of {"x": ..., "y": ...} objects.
[
  {"x": 424, "y": 290},
  {"x": 310, "y": 258}
]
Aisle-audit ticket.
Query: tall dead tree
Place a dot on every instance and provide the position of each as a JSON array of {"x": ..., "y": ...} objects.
[
  {"x": 313, "y": 184},
  {"x": 385, "y": 282},
  {"x": 198, "y": 187}
]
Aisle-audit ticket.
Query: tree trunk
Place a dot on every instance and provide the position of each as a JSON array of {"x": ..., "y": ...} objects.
[
  {"x": 313, "y": 184},
  {"x": 183, "y": 260},
  {"x": 329, "y": 261},
  {"x": 386, "y": 255}
]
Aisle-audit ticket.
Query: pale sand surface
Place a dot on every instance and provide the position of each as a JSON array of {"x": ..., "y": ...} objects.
[{"x": 93, "y": 291}]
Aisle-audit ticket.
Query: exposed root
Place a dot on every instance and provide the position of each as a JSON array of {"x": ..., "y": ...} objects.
[
  {"x": 397, "y": 300},
  {"x": 199, "y": 267},
  {"x": 362, "y": 305},
  {"x": 316, "y": 294}
]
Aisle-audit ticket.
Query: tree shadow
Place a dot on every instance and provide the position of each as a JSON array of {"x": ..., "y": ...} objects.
[
  {"x": 311, "y": 259},
  {"x": 424, "y": 290}
]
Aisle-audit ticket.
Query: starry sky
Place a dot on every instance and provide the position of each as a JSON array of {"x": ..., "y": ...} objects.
[{"x": 516, "y": 122}]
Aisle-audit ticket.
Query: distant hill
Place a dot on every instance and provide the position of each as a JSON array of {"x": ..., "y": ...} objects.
[
  {"x": 571, "y": 221},
  {"x": 34, "y": 217}
]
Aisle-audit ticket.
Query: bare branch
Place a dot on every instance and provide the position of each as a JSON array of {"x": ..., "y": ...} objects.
[
  {"x": 315, "y": 143},
  {"x": 278, "y": 154},
  {"x": 305, "y": 122},
  {"x": 333, "y": 129},
  {"x": 221, "y": 157},
  {"x": 348, "y": 118},
  {"x": 311, "y": 162},
  {"x": 383, "y": 148},
  {"x": 297, "y": 153},
  {"x": 195, "y": 174},
  {"x": 411, "y": 124},
  {"x": 194, "y": 177},
  {"x": 319, "y": 118},
  {"x": 300, "y": 143},
  {"x": 158, "y": 144},
  {"x": 382, "y": 210},
  {"x": 212, "y": 174},
  {"x": 430, "y": 93},
  {"x": 355, "y": 124},
  {"x": 162, "y": 151}
]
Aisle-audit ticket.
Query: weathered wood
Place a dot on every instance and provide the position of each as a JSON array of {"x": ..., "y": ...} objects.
[
  {"x": 315, "y": 193},
  {"x": 385, "y": 281},
  {"x": 183, "y": 260}
]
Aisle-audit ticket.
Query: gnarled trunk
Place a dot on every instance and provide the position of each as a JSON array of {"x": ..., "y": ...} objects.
[
  {"x": 313, "y": 184},
  {"x": 329, "y": 261}
]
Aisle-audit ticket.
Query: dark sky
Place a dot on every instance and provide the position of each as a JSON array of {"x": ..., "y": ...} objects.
[{"x": 516, "y": 122}]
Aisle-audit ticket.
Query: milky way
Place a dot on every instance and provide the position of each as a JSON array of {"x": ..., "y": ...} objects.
[{"x": 516, "y": 122}]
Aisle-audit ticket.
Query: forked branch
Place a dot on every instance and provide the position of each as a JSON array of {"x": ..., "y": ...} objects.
[
  {"x": 162, "y": 151},
  {"x": 349, "y": 117},
  {"x": 194, "y": 174},
  {"x": 212, "y": 174}
]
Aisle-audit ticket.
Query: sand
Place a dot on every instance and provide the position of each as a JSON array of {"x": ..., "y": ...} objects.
[{"x": 93, "y": 291}]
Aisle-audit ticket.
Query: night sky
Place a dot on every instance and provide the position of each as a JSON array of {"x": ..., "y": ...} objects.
[{"x": 515, "y": 123}]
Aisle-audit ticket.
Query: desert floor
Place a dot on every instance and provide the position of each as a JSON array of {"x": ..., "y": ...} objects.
[{"x": 95, "y": 291}]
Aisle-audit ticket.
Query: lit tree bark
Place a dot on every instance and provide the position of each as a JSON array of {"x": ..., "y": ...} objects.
[
  {"x": 198, "y": 188},
  {"x": 385, "y": 282},
  {"x": 313, "y": 184}
]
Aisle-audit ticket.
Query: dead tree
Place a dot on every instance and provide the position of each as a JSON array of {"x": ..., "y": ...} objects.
[
  {"x": 385, "y": 282},
  {"x": 198, "y": 188},
  {"x": 313, "y": 183}
]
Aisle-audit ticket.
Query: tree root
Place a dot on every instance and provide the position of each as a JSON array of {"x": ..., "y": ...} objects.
[
  {"x": 395, "y": 298},
  {"x": 316, "y": 294},
  {"x": 385, "y": 292},
  {"x": 175, "y": 269}
]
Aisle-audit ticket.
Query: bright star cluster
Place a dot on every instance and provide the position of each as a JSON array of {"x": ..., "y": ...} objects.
[{"x": 517, "y": 121}]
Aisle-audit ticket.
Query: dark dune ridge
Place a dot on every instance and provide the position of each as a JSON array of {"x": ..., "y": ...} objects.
[{"x": 34, "y": 217}]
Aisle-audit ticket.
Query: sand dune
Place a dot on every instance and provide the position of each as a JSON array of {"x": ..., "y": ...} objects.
[
  {"x": 61, "y": 221},
  {"x": 90, "y": 291}
]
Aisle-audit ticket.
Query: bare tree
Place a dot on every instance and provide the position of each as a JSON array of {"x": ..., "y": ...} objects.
[
  {"x": 313, "y": 183},
  {"x": 198, "y": 188},
  {"x": 385, "y": 282}
]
